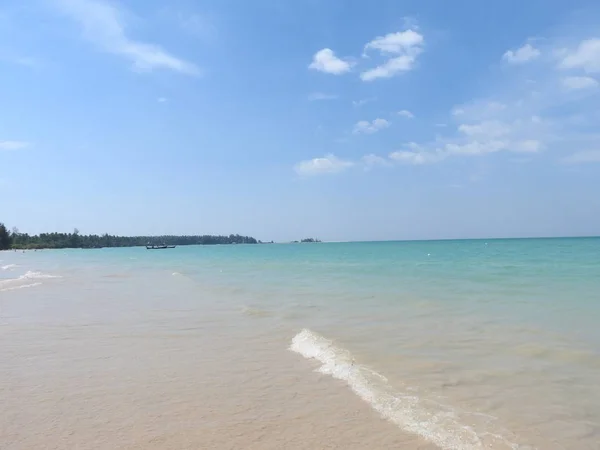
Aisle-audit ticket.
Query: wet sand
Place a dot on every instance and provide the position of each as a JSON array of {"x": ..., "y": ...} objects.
[
  {"x": 163, "y": 382},
  {"x": 126, "y": 348}
]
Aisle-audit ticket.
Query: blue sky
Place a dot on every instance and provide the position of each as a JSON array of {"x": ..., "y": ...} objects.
[{"x": 281, "y": 119}]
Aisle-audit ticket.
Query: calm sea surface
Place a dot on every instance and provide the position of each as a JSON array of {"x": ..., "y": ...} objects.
[{"x": 442, "y": 344}]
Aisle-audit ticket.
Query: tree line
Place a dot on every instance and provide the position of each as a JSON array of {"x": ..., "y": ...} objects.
[{"x": 16, "y": 240}]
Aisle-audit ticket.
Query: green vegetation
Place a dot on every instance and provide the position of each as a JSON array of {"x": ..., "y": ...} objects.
[
  {"x": 310, "y": 240},
  {"x": 19, "y": 240},
  {"x": 4, "y": 237}
]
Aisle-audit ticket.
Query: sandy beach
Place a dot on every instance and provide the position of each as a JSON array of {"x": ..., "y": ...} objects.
[{"x": 229, "y": 348}]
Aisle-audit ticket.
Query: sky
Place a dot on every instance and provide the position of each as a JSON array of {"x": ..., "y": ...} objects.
[{"x": 282, "y": 119}]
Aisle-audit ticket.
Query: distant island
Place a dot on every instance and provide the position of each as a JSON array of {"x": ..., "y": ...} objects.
[
  {"x": 307, "y": 241},
  {"x": 16, "y": 240}
]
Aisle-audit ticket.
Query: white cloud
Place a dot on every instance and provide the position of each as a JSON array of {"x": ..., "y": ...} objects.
[
  {"x": 481, "y": 147},
  {"x": 364, "y": 126},
  {"x": 521, "y": 55},
  {"x": 407, "y": 45},
  {"x": 518, "y": 118},
  {"x": 161, "y": 99},
  {"x": 372, "y": 160},
  {"x": 363, "y": 101},
  {"x": 326, "y": 165},
  {"x": 103, "y": 24},
  {"x": 394, "y": 43},
  {"x": 420, "y": 155},
  {"x": 406, "y": 113},
  {"x": 401, "y": 50},
  {"x": 415, "y": 157},
  {"x": 321, "y": 96},
  {"x": 326, "y": 61},
  {"x": 13, "y": 145},
  {"x": 495, "y": 106},
  {"x": 390, "y": 68},
  {"x": 479, "y": 138},
  {"x": 574, "y": 83},
  {"x": 586, "y": 57},
  {"x": 487, "y": 129},
  {"x": 478, "y": 110},
  {"x": 528, "y": 146},
  {"x": 590, "y": 156},
  {"x": 475, "y": 147}
]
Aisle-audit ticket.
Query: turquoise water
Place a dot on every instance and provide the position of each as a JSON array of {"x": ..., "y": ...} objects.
[{"x": 496, "y": 342}]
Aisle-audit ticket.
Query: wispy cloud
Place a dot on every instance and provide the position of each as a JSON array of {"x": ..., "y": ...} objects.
[
  {"x": 13, "y": 145},
  {"x": 371, "y": 160},
  {"x": 521, "y": 55},
  {"x": 198, "y": 25},
  {"x": 7, "y": 56},
  {"x": 326, "y": 61},
  {"x": 366, "y": 127},
  {"x": 484, "y": 128},
  {"x": 390, "y": 68},
  {"x": 526, "y": 118},
  {"x": 103, "y": 24},
  {"x": 401, "y": 48},
  {"x": 364, "y": 101},
  {"x": 326, "y": 165},
  {"x": 416, "y": 157},
  {"x": 161, "y": 99},
  {"x": 316, "y": 96},
  {"x": 552, "y": 114},
  {"x": 579, "y": 82},
  {"x": 586, "y": 56},
  {"x": 406, "y": 114},
  {"x": 549, "y": 113},
  {"x": 589, "y": 156}
]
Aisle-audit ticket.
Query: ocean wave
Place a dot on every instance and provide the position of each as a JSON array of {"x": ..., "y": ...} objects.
[
  {"x": 22, "y": 286},
  {"x": 30, "y": 275},
  {"x": 8, "y": 267},
  {"x": 37, "y": 275},
  {"x": 433, "y": 421}
]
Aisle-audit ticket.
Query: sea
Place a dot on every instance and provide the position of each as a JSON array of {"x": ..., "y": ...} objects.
[{"x": 458, "y": 344}]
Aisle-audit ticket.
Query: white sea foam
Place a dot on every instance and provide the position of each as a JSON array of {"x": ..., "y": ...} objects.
[
  {"x": 37, "y": 275},
  {"x": 22, "y": 286},
  {"x": 15, "y": 283},
  {"x": 435, "y": 422},
  {"x": 8, "y": 267}
]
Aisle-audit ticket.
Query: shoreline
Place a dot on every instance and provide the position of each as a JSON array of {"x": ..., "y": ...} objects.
[
  {"x": 124, "y": 385},
  {"x": 195, "y": 345}
]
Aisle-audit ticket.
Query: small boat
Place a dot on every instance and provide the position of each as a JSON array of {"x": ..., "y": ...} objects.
[{"x": 158, "y": 247}]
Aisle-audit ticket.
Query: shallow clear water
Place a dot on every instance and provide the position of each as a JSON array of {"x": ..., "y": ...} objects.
[{"x": 461, "y": 344}]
